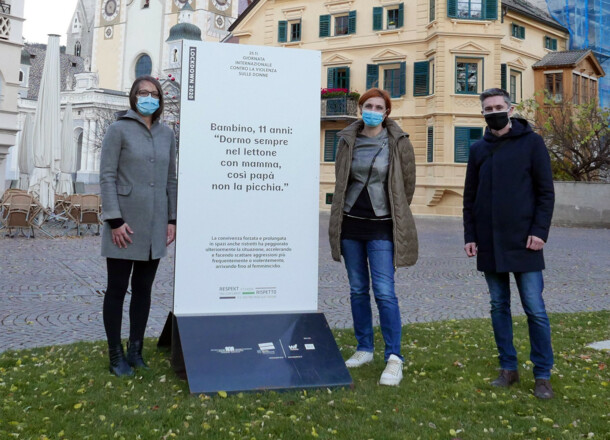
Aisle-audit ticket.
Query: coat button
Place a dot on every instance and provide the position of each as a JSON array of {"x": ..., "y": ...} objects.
[
  {"x": 152, "y": 184},
  {"x": 152, "y": 160}
]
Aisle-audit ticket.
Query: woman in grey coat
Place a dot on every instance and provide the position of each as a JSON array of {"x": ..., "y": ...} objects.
[{"x": 138, "y": 184}]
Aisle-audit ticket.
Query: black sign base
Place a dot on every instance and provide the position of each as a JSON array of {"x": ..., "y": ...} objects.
[{"x": 254, "y": 352}]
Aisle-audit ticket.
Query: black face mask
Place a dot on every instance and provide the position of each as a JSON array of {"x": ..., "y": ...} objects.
[{"x": 497, "y": 121}]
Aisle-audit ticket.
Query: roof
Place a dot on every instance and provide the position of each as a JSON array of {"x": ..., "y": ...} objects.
[
  {"x": 526, "y": 7},
  {"x": 187, "y": 7},
  {"x": 563, "y": 58},
  {"x": 184, "y": 31},
  {"x": 68, "y": 67}
]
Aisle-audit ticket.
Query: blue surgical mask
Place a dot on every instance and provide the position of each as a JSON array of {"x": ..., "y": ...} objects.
[
  {"x": 372, "y": 119},
  {"x": 147, "y": 105}
]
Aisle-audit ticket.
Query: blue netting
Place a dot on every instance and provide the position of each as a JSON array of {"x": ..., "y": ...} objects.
[{"x": 588, "y": 22}]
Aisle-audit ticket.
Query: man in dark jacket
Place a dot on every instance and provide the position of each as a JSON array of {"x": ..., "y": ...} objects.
[{"x": 508, "y": 205}]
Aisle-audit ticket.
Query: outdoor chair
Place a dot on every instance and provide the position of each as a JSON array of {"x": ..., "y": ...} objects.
[
  {"x": 5, "y": 200},
  {"x": 18, "y": 214},
  {"x": 90, "y": 212}
]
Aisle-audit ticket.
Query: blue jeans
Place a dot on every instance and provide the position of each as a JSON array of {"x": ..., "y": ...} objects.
[
  {"x": 380, "y": 256},
  {"x": 530, "y": 286}
]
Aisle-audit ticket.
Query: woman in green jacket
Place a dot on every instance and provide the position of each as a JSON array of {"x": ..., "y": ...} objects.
[{"x": 372, "y": 226}]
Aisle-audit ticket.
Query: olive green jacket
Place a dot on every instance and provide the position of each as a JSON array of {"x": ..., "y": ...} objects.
[{"x": 401, "y": 185}]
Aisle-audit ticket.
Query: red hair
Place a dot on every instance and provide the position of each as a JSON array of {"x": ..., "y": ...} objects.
[{"x": 377, "y": 93}]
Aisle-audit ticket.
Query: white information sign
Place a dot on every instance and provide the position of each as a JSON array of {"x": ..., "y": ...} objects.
[{"x": 248, "y": 180}]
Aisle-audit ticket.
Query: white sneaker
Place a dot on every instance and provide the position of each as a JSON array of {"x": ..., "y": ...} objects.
[
  {"x": 359, "y": 358},
  {"x": 392, "y": 375}
]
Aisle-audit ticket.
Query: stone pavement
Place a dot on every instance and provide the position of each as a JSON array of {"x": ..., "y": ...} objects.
[{"x": 51, "y": 290}]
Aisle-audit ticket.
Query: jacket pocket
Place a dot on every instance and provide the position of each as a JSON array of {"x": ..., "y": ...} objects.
[{"x": 123, "y": 190}]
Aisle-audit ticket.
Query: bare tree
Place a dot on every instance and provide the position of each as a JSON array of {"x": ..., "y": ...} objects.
[
  {"x": 577, "y": 136},
  {"x": 103, "y": 118}
]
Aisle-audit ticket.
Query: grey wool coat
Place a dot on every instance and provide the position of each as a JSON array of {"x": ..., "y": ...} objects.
[{"x": 139, "y": 184}]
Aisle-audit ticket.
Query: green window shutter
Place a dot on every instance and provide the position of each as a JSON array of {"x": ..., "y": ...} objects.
[
  {"x": 351, "y": 23},
  {"x": 330, "y": 77},
  {"x": 503, "y": 76},
  {"x": 347, "y": 79},
  {"x": 324, "y": 26},
  {"x": 491, "y": 9},
  {"x": 401, "y": 15},
  {"x": 430, "y": 145},
  {"x": 462, "y": 139},
  {"x": 420, "y": 78},
  {"x": 522, "y": 32},
  {"x": 329, "y": 198},
  {"x": 330, "y": 145},
  {"x": 377, "y": 19},
  {"x": 403, "y": 78},
  {"x": 554, "y": 44},
  {"x": 432, "y": 10},
  {"x": 452, "y": 8},
  {"x": 372, "y": 76},
  {"x": 281, "y": 31}
]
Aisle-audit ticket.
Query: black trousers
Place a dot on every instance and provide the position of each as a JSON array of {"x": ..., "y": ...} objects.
[{"x": 142, "y": 279}]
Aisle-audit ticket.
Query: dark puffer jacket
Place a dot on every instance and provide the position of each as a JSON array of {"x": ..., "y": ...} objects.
[
  {"x": 508, "y": 196},
  {"x": 401, "y": 185}
]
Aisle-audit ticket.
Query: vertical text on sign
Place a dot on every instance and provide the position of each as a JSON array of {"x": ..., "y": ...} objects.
[{"x": 192, "y": 73}]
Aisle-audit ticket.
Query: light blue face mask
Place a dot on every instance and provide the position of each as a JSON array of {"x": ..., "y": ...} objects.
[
  {"x": 147, "y": 105},
  {"x": 372, "y": 119}
]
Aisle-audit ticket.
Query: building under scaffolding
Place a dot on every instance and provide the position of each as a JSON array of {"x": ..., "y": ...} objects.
[{"x": 588, "y": 22}]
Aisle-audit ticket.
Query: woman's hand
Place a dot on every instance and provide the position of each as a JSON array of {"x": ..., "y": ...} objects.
[
  {"x": 120, "y": 236},
  {"x": 171, "y": 234}
]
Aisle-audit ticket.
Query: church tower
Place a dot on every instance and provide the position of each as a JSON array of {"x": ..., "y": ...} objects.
[
  {"x": 184, "y": 30},
  {"x": 80, "y": 31},
  {"x": 134, "y": 37}
]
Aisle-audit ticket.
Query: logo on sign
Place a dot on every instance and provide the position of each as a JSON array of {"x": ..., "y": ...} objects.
[
  {"x": 310, "y": 347},
  {"x": 266, "y": 347},
  {"x": 294, "y": 347}
]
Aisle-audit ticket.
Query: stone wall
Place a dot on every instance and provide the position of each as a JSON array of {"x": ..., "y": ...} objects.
[{"x": 582, "y": 204}]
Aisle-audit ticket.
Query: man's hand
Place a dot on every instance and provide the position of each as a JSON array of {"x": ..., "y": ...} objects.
[
  {"x": 534, "y": 243},
  {"x": 120, "y": 235},
  {"x": 471, "y": 249},
  {"x": 171, "y": 234}
]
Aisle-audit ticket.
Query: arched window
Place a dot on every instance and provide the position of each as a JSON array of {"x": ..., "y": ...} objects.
[
  {"x": 143, "y": 65},
  {"x": 77, "y": 49}
]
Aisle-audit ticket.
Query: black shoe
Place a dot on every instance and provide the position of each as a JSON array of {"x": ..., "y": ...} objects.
[
  {"x": 118, "y": 363},
  {"x": 543, "y": 389},
  {"x": 134, "y": 355},
  {"x": 506, "y": 378}
]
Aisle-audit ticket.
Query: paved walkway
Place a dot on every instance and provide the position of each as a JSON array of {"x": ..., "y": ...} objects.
[{"x": 51, "y": 290}]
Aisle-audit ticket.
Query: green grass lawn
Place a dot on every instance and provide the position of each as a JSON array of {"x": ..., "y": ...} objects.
[{"x": 66, "y": 392}]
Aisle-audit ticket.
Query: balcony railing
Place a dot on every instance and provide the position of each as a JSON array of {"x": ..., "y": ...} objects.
[
  {"x": 5, "y": 8},
  {"x": 339, "y": 108}
]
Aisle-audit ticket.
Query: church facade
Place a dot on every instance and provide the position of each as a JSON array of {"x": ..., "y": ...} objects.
[{"x": 130, "y": 37}]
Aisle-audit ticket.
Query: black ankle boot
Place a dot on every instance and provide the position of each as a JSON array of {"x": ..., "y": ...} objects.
[
  {"x": 118, "y": 363},
  {"x": 134, "y": 355}
]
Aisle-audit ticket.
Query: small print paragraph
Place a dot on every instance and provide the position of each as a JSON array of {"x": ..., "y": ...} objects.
[{"x": 248, "y": 252}]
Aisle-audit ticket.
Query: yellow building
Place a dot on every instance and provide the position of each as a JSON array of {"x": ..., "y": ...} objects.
[{"x": 434, "y": 57}]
